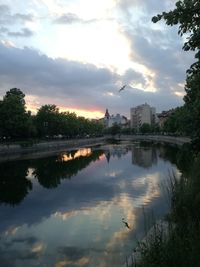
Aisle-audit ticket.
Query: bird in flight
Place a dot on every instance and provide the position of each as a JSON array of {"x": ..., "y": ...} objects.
[
  {"x": 122, "y": 88},
  {"x": 126, "y": 224}
]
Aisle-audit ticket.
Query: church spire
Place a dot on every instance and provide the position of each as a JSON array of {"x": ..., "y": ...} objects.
[{"x": 107, "y": 115}]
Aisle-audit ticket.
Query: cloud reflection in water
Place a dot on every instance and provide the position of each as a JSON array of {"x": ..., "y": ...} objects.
[{"x": 79, "y": 221}]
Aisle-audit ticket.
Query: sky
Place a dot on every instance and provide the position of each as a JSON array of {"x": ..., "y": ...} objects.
[{"x": 77, "y": 54}]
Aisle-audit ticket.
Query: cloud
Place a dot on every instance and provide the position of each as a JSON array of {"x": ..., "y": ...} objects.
[
  {"x": 25, "y": 32},
  {"x": 162, "y": 54},
  {"x": 75, "y": 85},
  {"x": 40, "y": 75},
  {"x": 6, "y": 18},
  {"x": 146, "y": 7},
  {"x": 70, "y": 18},
  {"x": 132, "y": 76},
  {"x": 157, "y": 48},
  {"x": 10, "y": 21},
  {"x": 30, "y": 240},
  {"x": 3, "y": 30}
]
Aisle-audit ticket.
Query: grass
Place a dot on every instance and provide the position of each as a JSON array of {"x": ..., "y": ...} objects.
[{"x": 181, "y": 246}]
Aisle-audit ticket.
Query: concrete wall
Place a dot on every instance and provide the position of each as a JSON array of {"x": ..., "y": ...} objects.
[
  {"x": 49, "y": 146},
  {"x": 10, "y": 152},
  {"x": 156, "y": 138}
]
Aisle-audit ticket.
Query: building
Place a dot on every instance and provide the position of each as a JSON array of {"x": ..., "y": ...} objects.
[
  {"x": 110, "y": 120},
  {"x": 163, "y": 116},
  {"x": 142, "y": 114}
]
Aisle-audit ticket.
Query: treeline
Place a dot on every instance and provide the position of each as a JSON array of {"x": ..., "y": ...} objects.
[
  {"x": 179, "y": 122},
  {"x": 18, "y": 123},
  {"x": 187, "y": 118},
  {"x": 182, "y": 246}
]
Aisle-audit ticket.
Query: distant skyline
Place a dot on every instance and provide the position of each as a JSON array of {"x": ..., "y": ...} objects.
[{"x": 77, "y": 54}]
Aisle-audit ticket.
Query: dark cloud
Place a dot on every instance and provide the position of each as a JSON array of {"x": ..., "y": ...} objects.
[
  {"x": 162, "y": 55},
  {"x": 6, "y": 17},
  {"x": 4, "y": 9},
  {"x": 132, "y": 76},
  {"x": 10, "y": 21},
  {"x": 40, "y": 75},
  {"x": 23, "y": 17},
  {"x": 75, "y": 84},
  {"x": 70, "y": 18},
  {"x": 25, "y": 32},
  {"x": 3, "y": 30},
  {"x": 30, "y": 240},
  {"x": 150, "y": 7},
  {"x": 73, "y": 253},
  {"x": 157, "y": 47}
]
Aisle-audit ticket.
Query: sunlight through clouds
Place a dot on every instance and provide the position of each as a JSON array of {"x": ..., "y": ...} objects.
[{"x": 116, "y": 35}]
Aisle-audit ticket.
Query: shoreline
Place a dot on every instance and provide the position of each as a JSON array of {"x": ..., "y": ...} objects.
[
  {"x": 42, "y": 149},
  {"x": 45, "y": 148}
]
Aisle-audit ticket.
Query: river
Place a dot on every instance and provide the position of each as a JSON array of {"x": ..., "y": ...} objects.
[{"x": 67, "y": 209}]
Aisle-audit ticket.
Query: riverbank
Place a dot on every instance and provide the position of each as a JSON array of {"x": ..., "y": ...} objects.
[
  {"x": 42, "y": 148},
  {"x": 156, "y": 138}
]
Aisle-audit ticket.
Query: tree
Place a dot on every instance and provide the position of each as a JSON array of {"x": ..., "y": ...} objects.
[
  {"x": 15, "y": 122},
  {"x": 178, "y": 122},
  {"x": 145, "y": 128},
  {"x": 49, "y": 121},
  {"x": 187, "y": 15},
  {"x": 115, "y": 129}
]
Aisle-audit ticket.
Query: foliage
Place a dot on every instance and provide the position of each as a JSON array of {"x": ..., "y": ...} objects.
[
  {"x": 115, "y": 129},
  {"x": 155, "y": 128},
  {"x": 48, "y": 120},
  {"x": 186, "y": 14},
  {"x": 145, "y": 128},
  {"x": 179, "y": 122},
  {"x": 15, "y": 122}
]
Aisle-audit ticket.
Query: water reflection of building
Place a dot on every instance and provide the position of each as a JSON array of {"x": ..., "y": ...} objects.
[
  {"x": 144, "y": 157},
  {"x": 115, "y": 151}
]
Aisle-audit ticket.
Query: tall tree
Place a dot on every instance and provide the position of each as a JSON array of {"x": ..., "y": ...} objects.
[
  {"x": 145, "y": 128},
  {"x": 48, "y": 120},
  {"x": 187, "y": 15},
  {"x": 14, "y": 120}
]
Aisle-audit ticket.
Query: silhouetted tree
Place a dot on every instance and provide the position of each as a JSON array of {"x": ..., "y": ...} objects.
[
  {"x": 15, "y": 122},
  {"x": 186, "y": 14}
]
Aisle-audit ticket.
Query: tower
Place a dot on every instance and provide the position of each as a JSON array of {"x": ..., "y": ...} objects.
[{"x": 107, "y": 115}]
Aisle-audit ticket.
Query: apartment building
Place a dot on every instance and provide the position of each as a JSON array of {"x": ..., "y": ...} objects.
[{"x": 142, "y": 114}]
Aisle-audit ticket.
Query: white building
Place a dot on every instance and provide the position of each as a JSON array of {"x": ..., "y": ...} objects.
[
  {"x": 142, "y": 114},
  {"x": 110, "y": 120}
]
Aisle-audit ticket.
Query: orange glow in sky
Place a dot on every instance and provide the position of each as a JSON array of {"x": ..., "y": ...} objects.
[
  {"x": 34, "y": 103},
  {"x": 84, "y": 113}
]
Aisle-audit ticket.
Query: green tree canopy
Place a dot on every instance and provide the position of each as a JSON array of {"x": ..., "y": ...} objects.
[
  {"x": 115, "y": 129},
  {"x": 15, "y": 122},
  {"x": 187, "y": 15},
  {"x": 48, "y": 120},
  {"x": 145, "y": 128}
]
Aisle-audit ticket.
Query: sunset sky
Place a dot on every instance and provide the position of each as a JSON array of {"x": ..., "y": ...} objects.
[{"x": 78, "y": 53}]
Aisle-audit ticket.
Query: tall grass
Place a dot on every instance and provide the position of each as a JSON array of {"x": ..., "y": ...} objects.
[{"x": 177, "y": 242}]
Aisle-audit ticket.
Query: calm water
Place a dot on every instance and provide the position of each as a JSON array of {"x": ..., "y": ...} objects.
[{"x": 67, "y": 209}]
